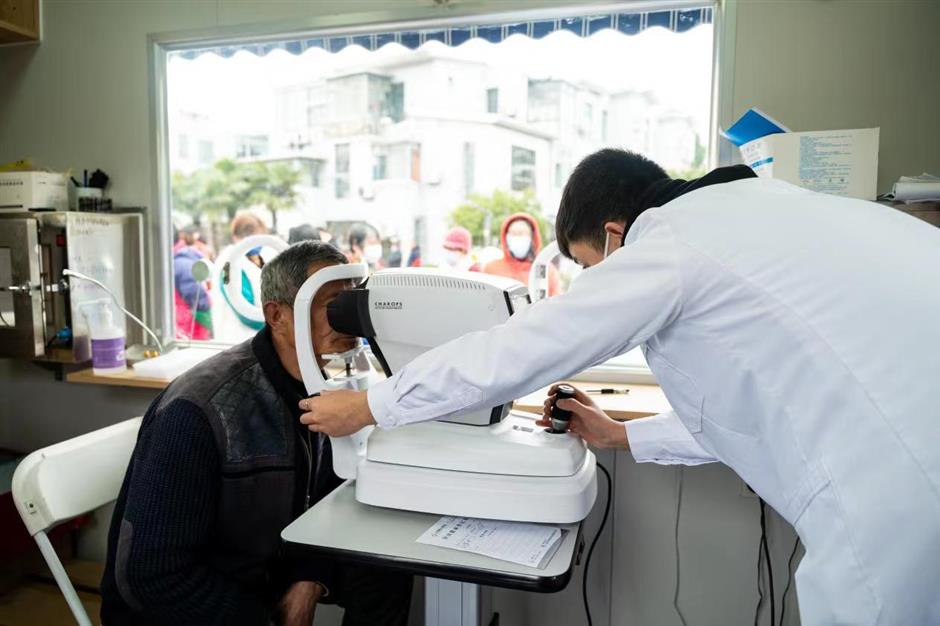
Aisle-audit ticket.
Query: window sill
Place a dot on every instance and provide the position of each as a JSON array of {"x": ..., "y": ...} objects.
[
  {"x": 128, "y": 378},
  {"x": 642, "y": 400}
]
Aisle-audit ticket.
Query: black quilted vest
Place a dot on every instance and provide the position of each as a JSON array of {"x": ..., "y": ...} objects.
[{"x": 255, "y": 434}]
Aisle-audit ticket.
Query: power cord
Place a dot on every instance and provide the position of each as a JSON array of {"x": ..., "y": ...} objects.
[
  {"x": 600, "y": 529},
  {"x": 675, "y": 596},
  {"x": 760, "y": 582},
  {"x": 80, "y": 276},
  {"x": 786, "y": 590},
  {"x": 764, "y": 549}
]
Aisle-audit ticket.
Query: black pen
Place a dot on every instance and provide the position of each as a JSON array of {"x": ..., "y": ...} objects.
[{"x": 608, "y": 390}]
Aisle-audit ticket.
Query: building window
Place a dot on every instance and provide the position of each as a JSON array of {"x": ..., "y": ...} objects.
[
  {"x": 560, "y": 175},
  {"x": 311, "y": 171},
  {"x": 251, "y": 146},
  {"x": 587, "y": 118},
  {"x": 523, "y": 169},
  {"x": 492, "y": 100},
  {"x": 183, "y": 147},
  {"x": 316, "y": 173},
  {"x": 342, "y": 170},
  {"x": 380, "y": 167},
  {"x": 469, "y": 168},
  {"x": 206, "y": 152},
  {"x": 394, "y": 106}
]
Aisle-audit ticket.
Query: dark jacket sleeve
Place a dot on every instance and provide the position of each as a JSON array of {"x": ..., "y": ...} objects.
[{"x": 161, "y": 566}]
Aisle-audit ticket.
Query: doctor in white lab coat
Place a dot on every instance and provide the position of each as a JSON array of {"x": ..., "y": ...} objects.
[{"x": 795, "y": 334}]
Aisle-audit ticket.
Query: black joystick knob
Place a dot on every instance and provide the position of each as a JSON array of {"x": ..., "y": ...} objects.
[{"x": 559, "y": 416}]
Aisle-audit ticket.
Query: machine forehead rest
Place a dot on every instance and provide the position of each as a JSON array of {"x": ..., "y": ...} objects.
[{"x": 348, "y": 313}]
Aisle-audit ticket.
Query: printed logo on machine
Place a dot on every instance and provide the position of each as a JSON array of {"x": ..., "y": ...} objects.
[{"x": 388, "y": 305}]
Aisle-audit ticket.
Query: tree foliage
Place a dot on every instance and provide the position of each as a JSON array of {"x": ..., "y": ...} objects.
[
  {"x": 472, "y": 215},
  {"x": 220, "y": 191}
]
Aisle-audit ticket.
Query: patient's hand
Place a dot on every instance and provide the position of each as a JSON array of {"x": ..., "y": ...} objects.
[
  {"x": 337, "y": 413},
  {"x": 299, "y": 604}
]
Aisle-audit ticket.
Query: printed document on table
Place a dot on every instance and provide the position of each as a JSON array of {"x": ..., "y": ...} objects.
[{"x": 532, "y": 545}]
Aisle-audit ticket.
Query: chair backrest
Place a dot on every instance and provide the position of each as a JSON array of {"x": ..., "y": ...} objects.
[{"x": 73, "y": 477}]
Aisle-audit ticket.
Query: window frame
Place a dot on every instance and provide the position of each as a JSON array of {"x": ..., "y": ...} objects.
[{"x": 161, "y": 45}]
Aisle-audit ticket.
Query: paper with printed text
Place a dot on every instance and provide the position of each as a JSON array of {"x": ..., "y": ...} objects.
[{"x": 527, "y": 544}]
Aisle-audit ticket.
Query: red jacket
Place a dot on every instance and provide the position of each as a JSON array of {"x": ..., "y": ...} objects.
[{"x": 512, "y": 267}]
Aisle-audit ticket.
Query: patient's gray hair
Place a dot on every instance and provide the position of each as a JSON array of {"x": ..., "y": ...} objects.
[{"x": 282, "y": 277}]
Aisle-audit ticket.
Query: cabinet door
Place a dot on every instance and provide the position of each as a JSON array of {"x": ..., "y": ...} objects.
[
  {"x": 21, "y": 315},
  {"x": 19, "y": 21}
]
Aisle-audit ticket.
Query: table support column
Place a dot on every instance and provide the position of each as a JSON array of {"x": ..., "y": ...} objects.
[{"x": 452, "y": 603}]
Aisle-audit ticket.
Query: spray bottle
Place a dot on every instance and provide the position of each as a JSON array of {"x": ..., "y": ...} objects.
[{"x": 107, "y": 337}]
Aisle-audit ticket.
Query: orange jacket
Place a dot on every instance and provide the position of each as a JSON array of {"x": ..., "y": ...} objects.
[{"x": 510, "y": 266}]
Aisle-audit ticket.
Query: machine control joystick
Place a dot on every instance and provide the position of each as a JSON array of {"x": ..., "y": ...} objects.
[{"x": 559, "y": 416}]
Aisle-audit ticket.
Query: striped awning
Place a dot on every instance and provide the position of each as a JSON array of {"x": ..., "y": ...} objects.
[{"x": 676, "y": 20}]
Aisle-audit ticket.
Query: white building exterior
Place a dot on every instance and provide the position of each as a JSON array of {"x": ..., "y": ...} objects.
[
  {"x": 403, "y": 140},
  {"x": 402, "y": 143}
]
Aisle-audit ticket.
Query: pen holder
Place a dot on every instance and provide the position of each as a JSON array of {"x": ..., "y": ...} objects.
[{"x": 90, "y": 199}]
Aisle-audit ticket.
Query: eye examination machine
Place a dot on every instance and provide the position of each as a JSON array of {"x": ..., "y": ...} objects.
[{"x": 495, "y": 463}]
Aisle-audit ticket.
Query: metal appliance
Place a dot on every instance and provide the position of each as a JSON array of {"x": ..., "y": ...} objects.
[{"x": 39, "y": 308}]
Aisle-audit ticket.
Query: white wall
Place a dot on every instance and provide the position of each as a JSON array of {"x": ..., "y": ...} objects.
[
  {"x": 81, "y": 99},
  {"x": 830, "y": 64}
]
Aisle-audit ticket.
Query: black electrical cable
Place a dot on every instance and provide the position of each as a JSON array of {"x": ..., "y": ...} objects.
[
  {"x": 770, "y": 567},
  {"x": 675, "y": 595},
  {"x": 760, "y": 581},
  {"x": 786, "y": 590},
  {"x": 600, "y": 529}
]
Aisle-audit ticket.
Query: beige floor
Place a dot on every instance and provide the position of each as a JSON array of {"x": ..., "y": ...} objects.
[{"x": 36, "y": 600}]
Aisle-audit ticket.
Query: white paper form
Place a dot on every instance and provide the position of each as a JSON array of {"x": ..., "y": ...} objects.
[{"x": 517, "y": 542}]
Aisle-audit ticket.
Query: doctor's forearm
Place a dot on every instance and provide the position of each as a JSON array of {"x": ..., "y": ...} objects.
[
  {"x": 543, "y": 343},
  {"x": 663, "y": 439}
]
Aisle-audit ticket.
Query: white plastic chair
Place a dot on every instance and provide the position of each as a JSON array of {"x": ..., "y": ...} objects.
[{"x": 67, "y": 479}]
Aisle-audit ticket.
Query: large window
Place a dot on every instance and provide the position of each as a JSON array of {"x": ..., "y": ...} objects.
[{"x": 412, "y": 132}]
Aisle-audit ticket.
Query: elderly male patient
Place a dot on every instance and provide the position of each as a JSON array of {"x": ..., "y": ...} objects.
[{"x": 221, "y": 466}]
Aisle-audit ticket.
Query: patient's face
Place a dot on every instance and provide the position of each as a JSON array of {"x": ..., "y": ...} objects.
[{"x": 325, "y": 339}]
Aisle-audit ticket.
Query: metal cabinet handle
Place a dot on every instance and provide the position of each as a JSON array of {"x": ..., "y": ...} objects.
[{"x": 24, "y": 288}]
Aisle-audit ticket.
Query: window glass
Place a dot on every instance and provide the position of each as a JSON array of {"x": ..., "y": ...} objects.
[{"x": 417, "y": 155}]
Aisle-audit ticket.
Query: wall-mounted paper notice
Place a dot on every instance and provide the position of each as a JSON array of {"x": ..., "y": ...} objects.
[
  {"x": 838, "y": 162},
  {"x": 518, "y": 542}
]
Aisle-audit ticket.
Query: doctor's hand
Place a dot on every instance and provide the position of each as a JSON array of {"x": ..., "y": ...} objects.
[
  {"x": 337, "y": 413},
  {"x": 587, "y": 420}
]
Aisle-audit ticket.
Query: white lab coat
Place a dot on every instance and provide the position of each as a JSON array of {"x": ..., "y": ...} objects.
[{"x": 797, "y": 338}]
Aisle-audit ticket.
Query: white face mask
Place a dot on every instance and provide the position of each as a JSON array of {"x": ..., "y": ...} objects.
[
  {"x": 372, "y": 253},
  {"x": 519, "y": 245},
  {"x": 452, "y": 257}
]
